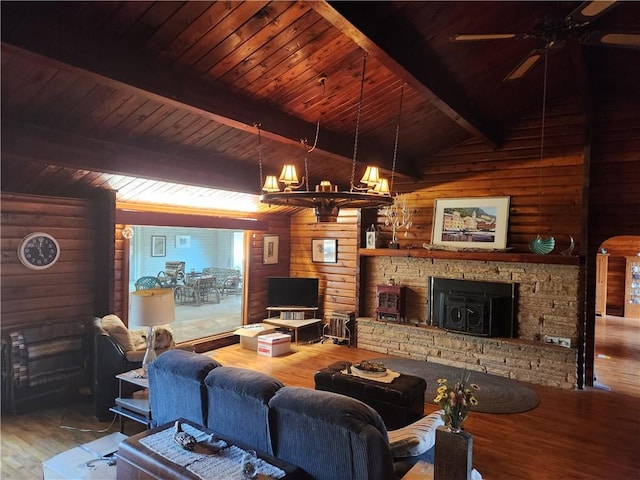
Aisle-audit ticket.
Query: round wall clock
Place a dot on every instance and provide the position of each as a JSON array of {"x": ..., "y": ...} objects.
[{"x": 38, "y": 251}]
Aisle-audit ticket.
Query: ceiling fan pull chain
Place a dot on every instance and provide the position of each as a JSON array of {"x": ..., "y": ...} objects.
[
  {"x": 395, "y": 146},
  {"x": 544, "y": 113},
  {"x": 257, "y": 125},
  {"x": 306, "y": 168},
  {"x": 355, "y": 144}
]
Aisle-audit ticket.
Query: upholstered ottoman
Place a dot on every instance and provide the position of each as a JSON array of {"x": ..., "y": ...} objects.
[{"x": 399, "y": 403}]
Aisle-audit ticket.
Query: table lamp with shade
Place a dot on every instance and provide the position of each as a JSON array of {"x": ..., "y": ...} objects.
[{"x": 151, "y": 308}]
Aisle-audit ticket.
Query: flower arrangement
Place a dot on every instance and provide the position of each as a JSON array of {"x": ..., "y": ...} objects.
[{"x": 456, "y": 400}]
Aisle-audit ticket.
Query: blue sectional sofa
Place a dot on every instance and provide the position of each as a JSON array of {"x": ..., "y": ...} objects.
[{"x": 329, "y": 435}]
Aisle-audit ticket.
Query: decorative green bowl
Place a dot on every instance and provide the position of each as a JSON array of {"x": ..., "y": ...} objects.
[{"x": 541, "y": 245}]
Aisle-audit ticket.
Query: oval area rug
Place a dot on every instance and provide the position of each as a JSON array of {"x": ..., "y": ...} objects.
[{"x": 496, "y": 394}]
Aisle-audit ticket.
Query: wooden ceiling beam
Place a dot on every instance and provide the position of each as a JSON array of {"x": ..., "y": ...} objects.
[
  {"x": 122, "y": 69},
  {"x": 424, "y": 74},
  {"x": 73, "y": 151}
]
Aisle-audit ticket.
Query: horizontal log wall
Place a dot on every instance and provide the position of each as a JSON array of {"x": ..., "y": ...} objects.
[
  {"x": 258, "y": 273},
  {"x": 339, "y": 282},
  {"x": 66, "y": 290},
  {"x": 546, "y": 193}
]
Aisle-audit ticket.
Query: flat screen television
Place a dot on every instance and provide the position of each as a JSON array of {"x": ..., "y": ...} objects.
[{"x": 292, "y": 292}]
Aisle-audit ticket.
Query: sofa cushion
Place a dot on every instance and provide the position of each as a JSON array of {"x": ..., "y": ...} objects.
[
  {"x": 249, "y": 393},
  {"x": 330, "y": 436},
  {"x": 119, "y": 332},
  {"x": 416, "y": 438},
  {"x": 176, "y": 383}
]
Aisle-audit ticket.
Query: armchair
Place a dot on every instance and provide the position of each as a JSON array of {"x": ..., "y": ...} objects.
[
  {"x": 118, "y": 350},
  {"x": 145, "y": 283},
  {"x": 172, "y": 274}
]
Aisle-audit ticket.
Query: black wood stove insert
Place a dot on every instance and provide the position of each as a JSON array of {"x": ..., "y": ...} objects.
[{"x": 473, "y": 307}]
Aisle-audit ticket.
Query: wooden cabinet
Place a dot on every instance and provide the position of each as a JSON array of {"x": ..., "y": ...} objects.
[
  {"x": 632, "y": 288},
  {"x": 602, "y": 269},
  {"x": 390, "y": 303}
]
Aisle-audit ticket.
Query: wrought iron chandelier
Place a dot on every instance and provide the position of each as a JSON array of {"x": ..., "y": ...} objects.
[{"x": 326, "y": 200}]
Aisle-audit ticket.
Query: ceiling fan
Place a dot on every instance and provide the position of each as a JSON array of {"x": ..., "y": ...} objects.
[{"x": 555, "y": 32}]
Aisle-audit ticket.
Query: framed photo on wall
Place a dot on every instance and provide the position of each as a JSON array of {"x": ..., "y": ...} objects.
[
  {"x": 158, "y": 246},
  {"x": 183, "y": 241},
  {"x": 324, "y": 250},
  {"x": 475, "y": 222},
  {"x": 270, "y": 244}
]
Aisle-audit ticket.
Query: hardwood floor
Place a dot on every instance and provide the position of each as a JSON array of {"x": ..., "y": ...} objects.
[{"x": 582, "y": 434}]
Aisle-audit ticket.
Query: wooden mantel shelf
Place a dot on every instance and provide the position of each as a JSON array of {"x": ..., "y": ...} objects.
[{"x": 480, "y": 256}]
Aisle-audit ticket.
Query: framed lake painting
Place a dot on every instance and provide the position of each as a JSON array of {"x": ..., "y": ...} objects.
[{"x": 474, "y": 222}]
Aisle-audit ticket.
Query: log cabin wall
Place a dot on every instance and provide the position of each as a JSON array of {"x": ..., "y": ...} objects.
[
  {"x": 257, "y": 273},
  {"x": 546, "y": 193},
  {"x": 339, "y": 282},
  {"x": 68, "y": 290},
  {"x": 618, "y": 248}
]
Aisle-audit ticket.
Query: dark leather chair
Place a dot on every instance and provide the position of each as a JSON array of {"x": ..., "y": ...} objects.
[{"x": 110, "y": 359}]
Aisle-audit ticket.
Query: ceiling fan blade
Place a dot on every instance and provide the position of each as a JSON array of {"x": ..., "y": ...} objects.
[
  {"x": 524, "y": 66},
  {"x": 485, "y": 36},
  {"x": 612, "y": 39},
  {"x": 589, "y": 11}
]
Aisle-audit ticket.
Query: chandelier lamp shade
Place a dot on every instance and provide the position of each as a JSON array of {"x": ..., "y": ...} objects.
[
  {"x": 151, "y": 308},
  {"x": 373, "y": 191}
]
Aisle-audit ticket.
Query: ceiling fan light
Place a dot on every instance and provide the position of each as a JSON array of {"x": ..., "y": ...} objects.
[
  {"x": 271, "y": 184},
  {"x": 371, "y": 176}
]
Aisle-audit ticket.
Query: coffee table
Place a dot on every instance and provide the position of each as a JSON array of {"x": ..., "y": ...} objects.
[
  {"x": 294, "y": 325},
  {"x": 399, "y": 403},
  {"x": 137, "y": 461}
]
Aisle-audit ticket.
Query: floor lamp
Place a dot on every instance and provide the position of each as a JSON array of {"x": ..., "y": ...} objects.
[{"x": 150, "y": 308}]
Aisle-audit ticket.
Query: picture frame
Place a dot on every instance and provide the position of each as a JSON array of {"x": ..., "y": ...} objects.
[
  {"x": 471, "y": 223},
  {"x": 324, "y": 250},
  {"x": 158, "y": 246},
  {"x": 183, "y": 241},
  {"x": 270, "y": 245}
]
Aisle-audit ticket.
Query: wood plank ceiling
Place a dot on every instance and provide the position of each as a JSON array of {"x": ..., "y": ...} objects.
[{"x": 164, "y": 100}]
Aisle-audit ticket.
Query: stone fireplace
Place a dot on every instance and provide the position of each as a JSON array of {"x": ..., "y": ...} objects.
[
  {"x": 473, "y": 307},
  {"x": 545, "y": 303}
]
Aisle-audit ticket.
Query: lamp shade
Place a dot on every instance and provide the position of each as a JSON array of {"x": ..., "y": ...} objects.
[
  {"x": 289, "y": 175},
  {"x": 152, "y": 307},
  {"x": 382, "y": 188},
  {"x": 271, "y": 184},
  {"x": 371, "y": 176}
]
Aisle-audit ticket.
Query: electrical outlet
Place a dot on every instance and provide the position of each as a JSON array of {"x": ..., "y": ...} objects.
[{"x": 560, "y": 341}]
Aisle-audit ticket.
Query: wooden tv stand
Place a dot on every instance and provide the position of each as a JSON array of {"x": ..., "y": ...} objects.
[{"x": 293, "y": 324}]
